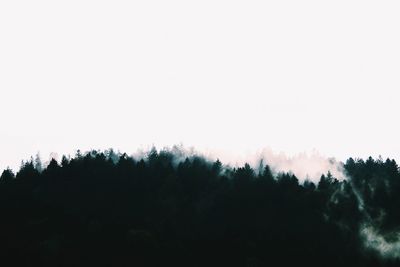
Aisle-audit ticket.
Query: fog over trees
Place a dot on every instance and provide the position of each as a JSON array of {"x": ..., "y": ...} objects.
[{"x": 167, "y": 209}]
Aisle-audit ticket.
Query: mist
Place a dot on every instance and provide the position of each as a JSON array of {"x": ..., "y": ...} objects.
[{"x": 210, "y": 133}]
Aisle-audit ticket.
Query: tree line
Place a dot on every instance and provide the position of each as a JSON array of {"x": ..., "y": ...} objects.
[{"x": 111, "y": 209}]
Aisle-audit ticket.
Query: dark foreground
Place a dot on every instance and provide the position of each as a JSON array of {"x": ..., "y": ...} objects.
[{"x": 103, "y": 209}]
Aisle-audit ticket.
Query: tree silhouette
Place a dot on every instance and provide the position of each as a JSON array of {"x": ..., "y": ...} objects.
[
  {"x": 7, "y": 176},
  {"x": 110, "y": 209}
]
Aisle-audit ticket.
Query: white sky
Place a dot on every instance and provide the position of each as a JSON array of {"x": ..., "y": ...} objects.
[{"x": 233, "y": 76}]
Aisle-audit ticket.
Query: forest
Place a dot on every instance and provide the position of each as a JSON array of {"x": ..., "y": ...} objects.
[{"x": 103, "y": 208}]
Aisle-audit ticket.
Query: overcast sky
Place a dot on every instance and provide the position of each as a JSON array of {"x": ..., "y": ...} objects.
[{"x": 232, "y": 76}]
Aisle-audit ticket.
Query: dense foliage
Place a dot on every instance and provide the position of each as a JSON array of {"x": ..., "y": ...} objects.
[{"x": 107, "y": 209}]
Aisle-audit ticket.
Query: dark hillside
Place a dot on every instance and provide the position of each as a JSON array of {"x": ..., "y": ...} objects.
[{"x": 104, "y": 209}]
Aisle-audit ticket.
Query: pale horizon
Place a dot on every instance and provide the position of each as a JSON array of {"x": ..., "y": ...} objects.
[{"x": 230, "y": 76}]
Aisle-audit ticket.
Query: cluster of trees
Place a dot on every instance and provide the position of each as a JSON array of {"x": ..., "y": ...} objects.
[{"x": 108, "y": 209}]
